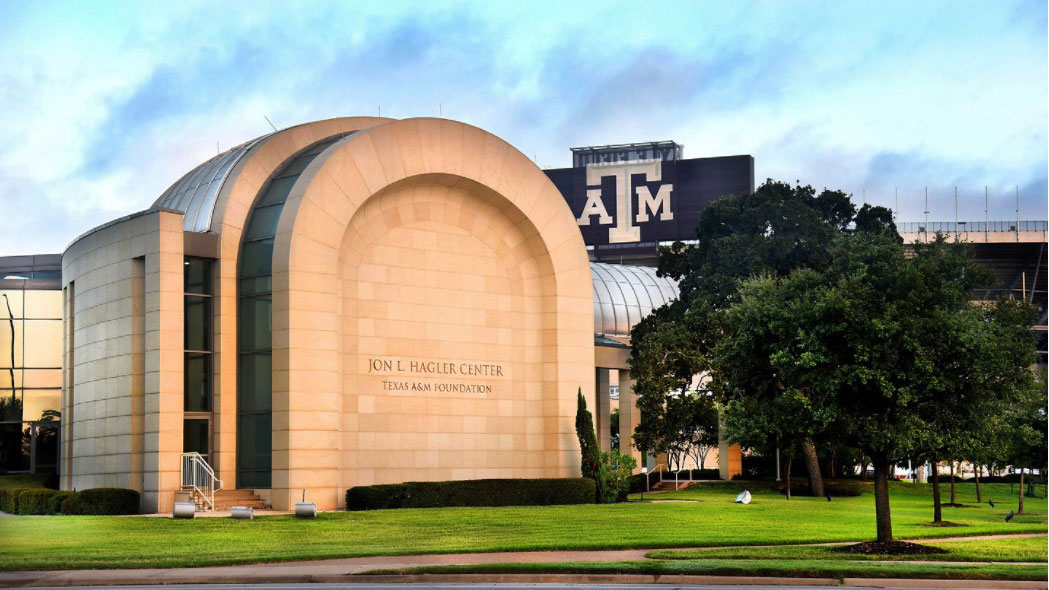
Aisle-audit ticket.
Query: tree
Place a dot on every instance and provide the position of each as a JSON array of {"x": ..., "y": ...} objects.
[
  {"x": 590, "y": 457},
  {"x": 847, "y": 351},
  {"x": 613, "y": 424},
  {"x": 1026, "y": 446},
  {"x": 775, "y": 230}
]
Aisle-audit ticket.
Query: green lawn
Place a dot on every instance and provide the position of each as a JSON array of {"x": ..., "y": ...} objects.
[{"x": 48, "y": 542}]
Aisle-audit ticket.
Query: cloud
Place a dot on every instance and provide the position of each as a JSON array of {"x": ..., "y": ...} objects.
[{"x": 102, "y": 114}]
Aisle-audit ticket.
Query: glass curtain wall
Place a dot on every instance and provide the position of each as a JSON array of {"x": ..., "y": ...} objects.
[
  {"x": 255, "y": 322},
  {"x": 30, "y": 374}
]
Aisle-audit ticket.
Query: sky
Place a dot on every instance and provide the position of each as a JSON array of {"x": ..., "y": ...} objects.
[{"x": 103, "y": 105}]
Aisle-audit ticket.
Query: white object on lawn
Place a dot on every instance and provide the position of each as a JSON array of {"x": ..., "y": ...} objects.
[{"x": 743, "y": 497}]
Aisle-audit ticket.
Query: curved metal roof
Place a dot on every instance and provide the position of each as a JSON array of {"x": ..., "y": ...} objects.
[
  {"x": 625, "y": 294},
  {"x": 196, "y": 193}
]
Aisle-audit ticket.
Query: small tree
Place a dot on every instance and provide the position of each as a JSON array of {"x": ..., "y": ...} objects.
[
  {"x": 590, "y": 458},
  {"x": 616, "y": 469}
]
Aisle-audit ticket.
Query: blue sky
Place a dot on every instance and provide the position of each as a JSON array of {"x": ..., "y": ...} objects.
[{"x": 106, "y": 104}]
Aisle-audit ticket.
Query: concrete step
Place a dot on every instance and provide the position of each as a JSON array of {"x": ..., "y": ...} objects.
[{"x": 226, "y": 499}]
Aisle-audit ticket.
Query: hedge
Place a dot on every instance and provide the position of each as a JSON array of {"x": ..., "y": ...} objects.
[
  {"x": 41, "y": 501},
  {"x": 477, "y": 492},
  {"x": 9, "y": 499},
  {"x": 101, "y": 501}
]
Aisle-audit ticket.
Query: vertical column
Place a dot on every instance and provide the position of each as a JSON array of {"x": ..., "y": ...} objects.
[
  {"x": 602, "y": 413},
  {"x": 730, "y": 456},
  {"x": 138, "y": 373},
  {"x": 629, "y": 417},
  {"x": 66, "y": 482},
  {"x": 162, "y": 428}
]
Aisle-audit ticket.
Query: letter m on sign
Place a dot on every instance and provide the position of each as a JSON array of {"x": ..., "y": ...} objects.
[{"x": 659, "y": 203}]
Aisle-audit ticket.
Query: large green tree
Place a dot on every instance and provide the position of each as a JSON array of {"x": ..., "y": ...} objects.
[
  {"x": 849, "y": 351},
  {"x": 775, "y": 230}
]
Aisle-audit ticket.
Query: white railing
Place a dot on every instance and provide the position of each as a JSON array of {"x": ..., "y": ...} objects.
[{"x": 199, "y": 477}]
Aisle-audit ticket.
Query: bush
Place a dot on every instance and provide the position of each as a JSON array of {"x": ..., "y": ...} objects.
[
  {"x": 477, "y": 492},
  {"x": 9, "y": 499},
  {"x": 54, "y": 502},
  {"x": 40, "y": 501},
  {"x": 615, "y": 477},
  {"x": 102, "y": 501},
  {"x": 695, "y": 474}
]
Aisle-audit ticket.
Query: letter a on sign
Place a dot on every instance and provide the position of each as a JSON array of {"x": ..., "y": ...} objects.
[{"x": 594, "y": 206}]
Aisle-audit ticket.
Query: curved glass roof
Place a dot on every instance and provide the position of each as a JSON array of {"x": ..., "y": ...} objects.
[
  {"x": 625, "y": 294},
  {"x": 195, "y": 193}
]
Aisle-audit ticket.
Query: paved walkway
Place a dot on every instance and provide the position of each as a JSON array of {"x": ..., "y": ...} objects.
[{"x": 343, "y": 570}]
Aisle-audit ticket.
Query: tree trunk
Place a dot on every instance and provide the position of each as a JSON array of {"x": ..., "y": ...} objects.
[
  {"x": 952, "y": 484},
  {"x": 979, "y": 500},
  {"x": 1020, "y": 508},
  {"x": 789, "y": 461},
  {"x": 937, "y": 511},
  {"x": 881, "y": 499},
  {"x": 812, "y": 463},
  {"x": 863, "y": 468}
]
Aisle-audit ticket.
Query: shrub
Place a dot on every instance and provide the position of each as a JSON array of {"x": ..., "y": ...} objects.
[
  {"x": 477, "y": 492},
  {"x": 102, "y": 501},
  {"x": 615, "y": 475},
  {"x": 54, "y": 502},
  {"x": 40, "y": 501},
  {"x": 9, "y": 499}
]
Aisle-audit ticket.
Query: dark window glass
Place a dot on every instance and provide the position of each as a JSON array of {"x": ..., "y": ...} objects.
[
  {"x": 256, "y": 258},
  {"x": 255, "y": 323},
  {"x": 195, "y": 436},
  {"x": 256, "y": 286},
  {"x": 263, "y": 222},
  {"x": 197, "y": 382},
  {"x": 254, "y": 448},
  {"x": 298, "y": 164},
  {"x": 277, "y": 191},
  {"x": 255, "y": 382},
  {"x": 197, "y": 276},
  {"x": 198, "y": 323}
]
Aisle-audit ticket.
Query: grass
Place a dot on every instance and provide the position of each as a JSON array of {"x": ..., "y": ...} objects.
[
  {"x": 49, "y": 542},
  {"x": 1031, "y": 549},
  {"x": 726, "y": 567},
  {"x": 24, "y": 480}
]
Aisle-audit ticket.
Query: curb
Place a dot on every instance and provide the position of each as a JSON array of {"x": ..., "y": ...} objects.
[{"x": 132, "y": 577}]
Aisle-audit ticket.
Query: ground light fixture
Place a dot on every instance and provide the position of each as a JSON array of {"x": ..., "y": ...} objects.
[
  {"x": 184, "y": 510},
  {"x": 305, "y": 509}
]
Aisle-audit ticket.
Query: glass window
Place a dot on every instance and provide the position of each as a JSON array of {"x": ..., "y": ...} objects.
[
  {"x": 43, "y": 347},
  {"x": 195, "y": 434},
  {"x": 198, "y": 323},
  {"x": 263, "y": 222},
  {"x": 255, "y": 382},
  {"x": 197, "y": 382},
  {"x": 256, "y": 258},
  {"x": 256, "y": 286},
  {"x": 255, "y": 323},
  {"x": 277, "y": 191},
  {"x": 42, "y": 305},
  {"x": 254, "y": 447},
  {"x": 198, "y": 276}
]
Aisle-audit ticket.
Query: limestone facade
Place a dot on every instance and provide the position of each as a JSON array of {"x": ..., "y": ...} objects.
[{"x": 432, "y": 316}]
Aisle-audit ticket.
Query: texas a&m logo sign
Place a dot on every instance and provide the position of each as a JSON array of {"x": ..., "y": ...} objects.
[
  {"x": 633, "y": 204},
  {"x": 635, "y": 196}
]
